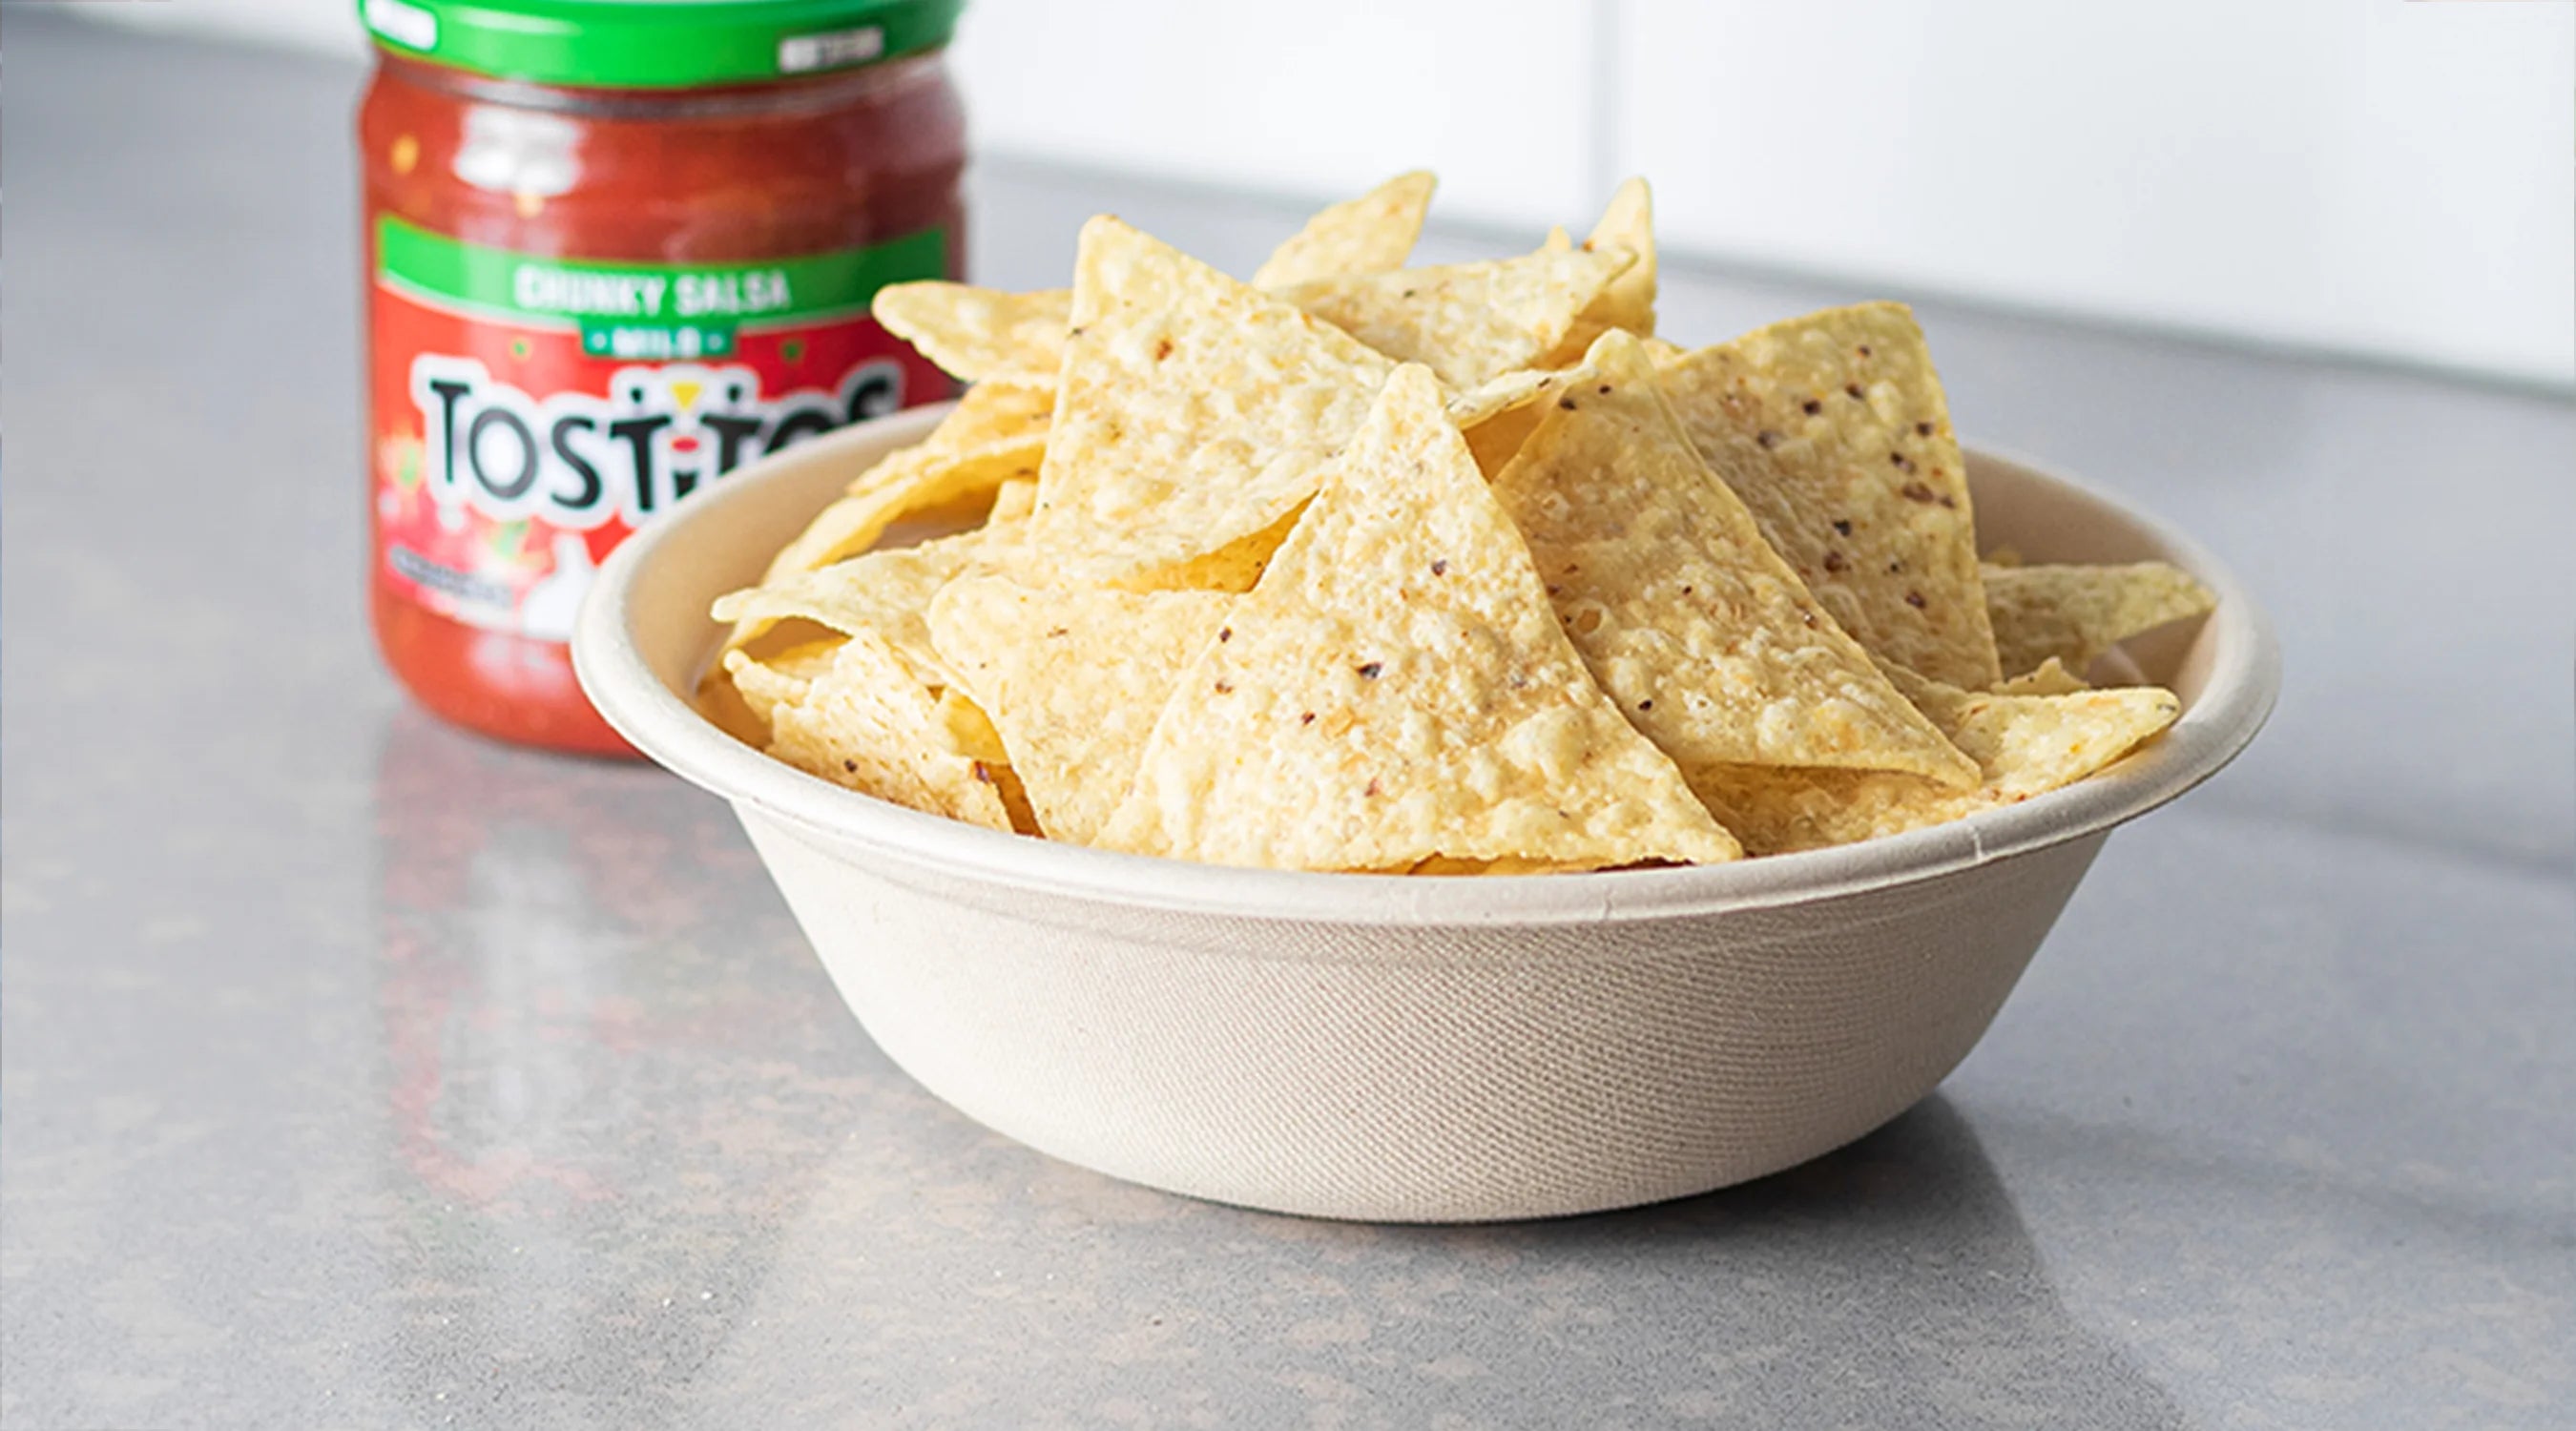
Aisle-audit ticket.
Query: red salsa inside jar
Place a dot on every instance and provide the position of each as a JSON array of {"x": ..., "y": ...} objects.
[{"x": 615, "y": 251}]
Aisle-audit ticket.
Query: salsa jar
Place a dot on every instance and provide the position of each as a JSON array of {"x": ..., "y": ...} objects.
[{"x": 613, "y": 252}]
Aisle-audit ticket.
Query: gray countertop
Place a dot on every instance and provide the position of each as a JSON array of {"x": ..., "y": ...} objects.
[{"x": 354, "y": 1073}]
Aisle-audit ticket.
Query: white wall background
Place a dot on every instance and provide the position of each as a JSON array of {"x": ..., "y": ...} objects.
[{"x": 2388, "y": 178}]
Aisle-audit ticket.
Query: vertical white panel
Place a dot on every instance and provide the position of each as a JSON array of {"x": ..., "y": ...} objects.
[
  {"x": 2374, "y": 175},
  {"x": 1323, "y": 97},
  {"x": 328, "y": 26}
]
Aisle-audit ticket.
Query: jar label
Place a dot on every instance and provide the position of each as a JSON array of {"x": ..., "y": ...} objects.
[{"x": 530, "y": 412}]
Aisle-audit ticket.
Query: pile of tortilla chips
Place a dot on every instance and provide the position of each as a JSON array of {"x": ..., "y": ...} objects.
[{"x": 1453, "y": 569}]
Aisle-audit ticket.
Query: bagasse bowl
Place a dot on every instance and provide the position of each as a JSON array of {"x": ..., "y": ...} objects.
[{"x": 1407, "y": 1049}]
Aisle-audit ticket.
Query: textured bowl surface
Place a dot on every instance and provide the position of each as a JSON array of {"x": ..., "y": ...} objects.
[{"x": 1408, "y": 1049}]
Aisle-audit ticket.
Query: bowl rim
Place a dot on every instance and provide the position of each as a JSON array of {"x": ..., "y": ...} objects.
[{"x": 2240, "y": 690}]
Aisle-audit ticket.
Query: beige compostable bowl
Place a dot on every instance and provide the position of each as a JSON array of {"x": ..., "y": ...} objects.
[{"x": 1407, "y": 1049}]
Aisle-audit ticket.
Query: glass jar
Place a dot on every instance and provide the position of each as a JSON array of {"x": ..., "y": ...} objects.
[{"x": 614, "y": 251}]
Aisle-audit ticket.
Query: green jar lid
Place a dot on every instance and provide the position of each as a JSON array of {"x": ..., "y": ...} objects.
[{"x": 657, "y": 44}]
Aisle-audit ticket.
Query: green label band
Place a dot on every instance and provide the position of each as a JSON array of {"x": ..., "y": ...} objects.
[{"x": 619, "y": 307}]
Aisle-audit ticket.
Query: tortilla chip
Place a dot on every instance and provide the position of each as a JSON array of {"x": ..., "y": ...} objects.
[
  {"x": 864, "y": 722},
  {"x": 997, "y": 432},
  {"x": 1444, "y": 865},
  {"x": 1704, "y": 637},
  {"x": 722, "y": 703},
  {"x": 1834, "y": 431},
  {"x": 1073, "y": 680},
  {"x": 1369, "y": 234},
  {"x": 979, "y": 333},
  {"x": 2049, "y": 678},
  {"x": 1499, "y": 415},
  {"x": 2023, "y": 745},
  {"x": 1496, "y": 438},
  {"x": 1004, "y": 535},
  {"x": 1629, "y": 301},
  {"x": 1195, "y": 412},
  {"x": 1396, "y": 689},
  {"x": 2075, "y": 613},
  {"x": 883, "y": 592},
  {"x": 1629, "y": 223},
  {"x": 766, "y": 683},
  {"x": 1012, "y": 503},
  {"x": 1467, "y": 322}
]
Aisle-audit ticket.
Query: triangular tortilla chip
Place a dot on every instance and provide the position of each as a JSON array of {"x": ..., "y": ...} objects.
[
  {"x": 979, "y": 333},
  {"x": 1397, "y": 689},
  {"x": 2023, "y": 745},
  {"x": 768, "y": 682},
  {"x": 997, "y": 432},
  {"x": 1012, "y": 503},
  {"x": 1833, "y": 429},
  {"x": 1369, "y": 234},
  {"x": 1706, "y": 639},
  {"x": 1496, "y": 438},
  {"x": 1073, "y": 680},
  {"x": 1005, "y": 531},
  {"x": 1467, "y": 322},
  {"x": 1629, "y": 301},
  {"x": 2075, "y": 613},
  {"x": 864, "y": 722},
  {"x": 2048, "y": 678},
  {"x": 1195, "y": 412},
  {"x": 885, "y": 592},
  {"x": 1498, "y": 395}
]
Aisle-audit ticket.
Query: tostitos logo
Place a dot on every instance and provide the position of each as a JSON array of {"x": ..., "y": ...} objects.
[{"x": 579, "y": 461}]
